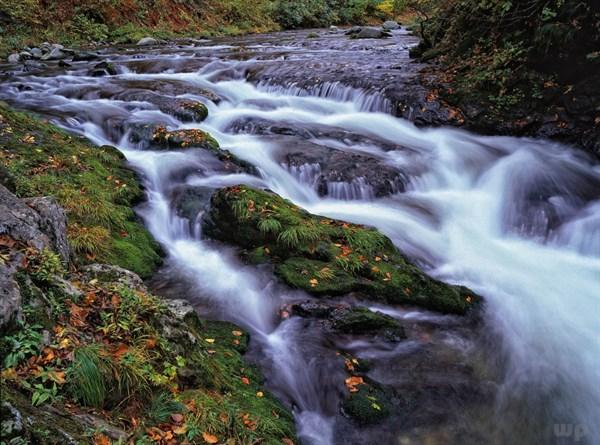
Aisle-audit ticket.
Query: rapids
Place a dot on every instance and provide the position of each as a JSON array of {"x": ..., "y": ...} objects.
[{"x": 516, "y": 220}]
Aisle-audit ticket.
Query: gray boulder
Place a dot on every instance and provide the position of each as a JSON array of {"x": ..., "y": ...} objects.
[
  {"x": 391, "y": 25},
  {"x": 354, "y": 30},
  {"x": 371, "y": 33},
  {"x": 147, "y": 41},
  {"x": 36, "y": 53},
  {"x": 14, "y": 58},
  {"x": 38, "y": 223}
]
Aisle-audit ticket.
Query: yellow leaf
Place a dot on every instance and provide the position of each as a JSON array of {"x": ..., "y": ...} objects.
[
  {"x": 209, "y": 340},
  {"x": 237, "y": 333},
  {"x": 314, "y": 282},
  {"x": 259, "y": 394},
  {"x": 180, "y": 430}
]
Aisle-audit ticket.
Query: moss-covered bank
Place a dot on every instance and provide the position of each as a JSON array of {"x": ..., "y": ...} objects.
[
  {"x": 98, "y": 359},
  {"x": 91, "y": 183},
  {"x": 325, "y": 256}
]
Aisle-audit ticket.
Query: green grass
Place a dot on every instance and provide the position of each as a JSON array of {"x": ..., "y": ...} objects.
[
  {"x": 89, "y": 375},
  {"x": 90, "y": 183}
]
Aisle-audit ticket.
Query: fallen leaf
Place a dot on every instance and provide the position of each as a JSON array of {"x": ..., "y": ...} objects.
[
  {"x": 260, "y": 394},
  {"x": 180, "y": 430},
  {"x": 209, "y": 340},
  {"x": 177, "y": 418},
  {"x": 314, "y": 282},
  {"x": 287, "y": 441},
  {"x": 245, "y": 380},
  {"x": 237, "y": 333},
  {"x": 101, "y": 439},
  {"x": 353, "y": 382},
  {"x": 209, "y": 438}
]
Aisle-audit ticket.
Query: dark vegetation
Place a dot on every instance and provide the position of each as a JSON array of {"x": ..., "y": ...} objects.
[
  {"x": 30, "y": 22},
  {"x": 530, "y": 67}
]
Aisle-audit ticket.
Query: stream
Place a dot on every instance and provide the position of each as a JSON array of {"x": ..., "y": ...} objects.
[{"x": 516, "y": 220}]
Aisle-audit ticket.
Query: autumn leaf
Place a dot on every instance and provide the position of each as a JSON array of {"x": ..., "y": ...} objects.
[
  {"x": 314, "y": 282},
  {"x": 177, "y": 418},
  {"x": 78, "y": 315},
  {"x": 209, "y": 340},
  {"x": 287, "y": 441},
  {"x": 57, "y": 377},
  {"x": 237, "y": 333},
  {"x": 180, "y": 430},
  {"x": 101, "y": 439},
  {"x": 353, "y": 382},
  {"x": 260, "y": 394},
  {"x": 209, "y": 438},
  {"x": 245, "y": 380}
]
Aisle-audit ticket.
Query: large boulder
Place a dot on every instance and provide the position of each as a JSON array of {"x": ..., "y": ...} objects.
[
  {"x": 38, "y": 223},
  {"x": 147, "y": 41},
  {"x": 324, "y": 256},
  {"x": 371, "y": 33}
]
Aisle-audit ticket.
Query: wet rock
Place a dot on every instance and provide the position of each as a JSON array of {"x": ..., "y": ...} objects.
[
  {"x": 343, "y": 174},
  {"x": 361, "y": 321},
  {"x": 64, "y": 64},
  {"x": 371, "y": 33},
  {"x": 103, "y": 69},
  {"x": 312, "y": 309},
  {"x": 354, "y": 30},
  {"x": 36, "y": 53},
  {"x": 85, "y": 56},
  {"x": 147, "y": 41},
  {"x": 390, "y": 25},
  {"x": 189, "y": 201},
  {"x": 187, "y": 138},
  {"x": 56, "y": 53},
  {"x": 14, "y": 58},
  {"x": 25, "y": 55},
  {"x": 185, "y": 110},
  {"x": 324, "y": 256}
]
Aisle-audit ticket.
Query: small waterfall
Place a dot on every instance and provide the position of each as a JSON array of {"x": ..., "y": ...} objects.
[
  {"x": 364, "y": 100},
  {"x": 358, "y": 189}
]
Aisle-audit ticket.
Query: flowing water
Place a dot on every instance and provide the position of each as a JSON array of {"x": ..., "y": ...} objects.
[{"x": 516, "y": 220}]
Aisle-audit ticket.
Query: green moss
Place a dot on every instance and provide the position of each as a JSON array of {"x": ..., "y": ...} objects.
[
  {"x": 369, "y": 405},
  {"x": 324, "y": 256},
  {"x": 360, "y": 320},
  {"x": 91, "y": 183}
]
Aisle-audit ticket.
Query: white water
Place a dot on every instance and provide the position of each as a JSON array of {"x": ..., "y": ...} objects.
[{"x": 460, "y": 217}]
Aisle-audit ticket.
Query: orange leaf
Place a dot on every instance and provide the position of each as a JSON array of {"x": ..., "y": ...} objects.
[
  {"x": 353, "y": 382},
  {"x": 245, "y": 381},
  {"x": 209, "y": 438},
  {"x": 287, "y": 441},
  {"x": 78, "y": 315},
  {"x": 237, "y": 333},
  {"x": 101, "y": 439}
]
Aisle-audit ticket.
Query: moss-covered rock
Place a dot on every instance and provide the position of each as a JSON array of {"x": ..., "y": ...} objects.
[
  {"x": 360, "y": 320},
  {"x": 368, "y": 405},
  {"x": 324, "y": 256},
  {"x": 91, "y": 183},
  {"x": 187, "y": 138}
]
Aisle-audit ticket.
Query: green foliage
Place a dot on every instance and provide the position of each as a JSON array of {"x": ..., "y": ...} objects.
[
  {"x": 162, "y": 406},
  {"x": 269, "y": 225},
  {"x": 25, "y": 343},
  {"x": 45, "y": 265},
  {"x": 89, "y": 30}
]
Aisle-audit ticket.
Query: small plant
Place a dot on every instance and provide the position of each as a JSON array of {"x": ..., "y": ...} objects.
[
  {"x": 22, "y": 345},
  {"x": 269, "y": 225},
  {"x": 162, "y": 406},
  {"x": 45, "y": 265},
  {"x": 294, "y": 236},
  {"x": 89, "y": 375}
]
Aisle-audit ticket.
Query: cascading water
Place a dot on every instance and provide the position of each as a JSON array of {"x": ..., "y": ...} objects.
[{"x": 516, "y": 220}]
